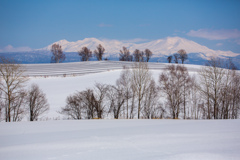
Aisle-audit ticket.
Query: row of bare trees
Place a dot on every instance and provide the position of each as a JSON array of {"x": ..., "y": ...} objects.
[
  {"x": 180, "y": 55},
  {"x": 85, "y": 54},
  {"x": 137, "y": 56},
  {"x": 134, "y": 95},
  {"x": 214, "y": 94},
  {"x": 15, "y": 101}
]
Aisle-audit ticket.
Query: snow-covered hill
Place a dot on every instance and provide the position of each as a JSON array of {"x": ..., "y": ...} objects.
[{"x": 160, "y": 47}]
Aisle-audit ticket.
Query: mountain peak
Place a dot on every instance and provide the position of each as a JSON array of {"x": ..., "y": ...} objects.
[{"x": 62, "y": 42}]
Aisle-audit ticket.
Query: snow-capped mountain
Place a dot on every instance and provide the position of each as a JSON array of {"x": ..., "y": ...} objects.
[{"x": 160, "y": 47}]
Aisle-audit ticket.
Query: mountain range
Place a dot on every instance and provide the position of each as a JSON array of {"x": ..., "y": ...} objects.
[{"x": 161, "y": 48}]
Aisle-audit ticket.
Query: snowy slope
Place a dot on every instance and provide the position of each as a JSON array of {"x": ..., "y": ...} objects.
[
  {"x": 121, "y": 140},
  {"x": 160, "y": 47},
  {"x": 79, "y": 76},
  {"x": 81, "y": 68}
]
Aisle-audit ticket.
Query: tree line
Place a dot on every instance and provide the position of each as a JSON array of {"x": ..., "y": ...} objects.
[
  {"x": 180, "y": 55},
  {"x": 85, "y": 54},
  {"x": 214, "y": 94}
]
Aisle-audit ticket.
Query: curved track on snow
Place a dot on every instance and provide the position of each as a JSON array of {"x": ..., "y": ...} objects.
[{"x": 82, "y": 68}]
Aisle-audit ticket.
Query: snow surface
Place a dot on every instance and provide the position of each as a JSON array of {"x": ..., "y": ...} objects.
[
  {"x": 121, "y": 139},
  {"x": 111, "y": 139}
]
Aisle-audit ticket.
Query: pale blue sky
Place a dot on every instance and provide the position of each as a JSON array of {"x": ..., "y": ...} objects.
[{"x": 38, "y": 23}]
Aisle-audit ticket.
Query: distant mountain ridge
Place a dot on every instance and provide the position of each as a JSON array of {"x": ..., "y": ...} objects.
[{"x": 160, "y": 47}]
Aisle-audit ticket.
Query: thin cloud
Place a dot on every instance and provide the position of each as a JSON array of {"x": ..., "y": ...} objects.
[
  {"x": 215, "y": 34},
  {"x": 104, "y": 25},
  {"x": 10, "y": 48}
]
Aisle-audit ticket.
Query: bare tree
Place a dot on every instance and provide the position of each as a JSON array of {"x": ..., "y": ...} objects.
[
  {"x": 125, "y": 82},
  {"x": 99, "y": 52},
  {"x": 182, "y": 55},
  {"x": 125, "y": 55},
  {"x": 172, "y": 83},
  {"x": 235, "y": 95},
  {"x": 150, "y": 101},
  {"x": 88, "y": 100},
  {"x": 37, "y": 102},
  {"x": 75, "y": 106},
  {"x": 13, "y": 80},
  {"x": 116, "y": 99},
  {"x": 229, "y": 92},
  {"x": 138, "y": 56},
  {"x": 141, "y": 78},
  {"x": 197, "y": 109},
  {"x": 176, "y": 57},
  {"x": 2, "y": 105},
  {"x": 85, "y": 54},
  {"x": 18, "y": 106},
  {"x": 211, "y": 80},
  {"x": 98, "y": 99},
  {"x": 148, "y": 54},
  {"x": 58, "y": 55},
  {"x": 169, "y": 59}
]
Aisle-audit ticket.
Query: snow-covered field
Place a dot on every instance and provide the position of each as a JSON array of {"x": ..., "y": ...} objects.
[
  {"x": 121, "y": 140},
  {"x": 110, "y": 139},
  {"x": 79, "y": 76}
]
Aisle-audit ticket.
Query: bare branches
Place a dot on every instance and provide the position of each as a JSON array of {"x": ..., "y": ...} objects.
[
  {"x": 37, "y": 102},
  {"x": 141, "y": 78},
  {"x": 182, "y": 55},
  {"x": 176, "y": 57},
  {"x": 148, "y": 54},
  {"x": 99, "y": 52},
  {"x": 169, "y": 59},
  {"x": 58, "y": 55},
  {"x": 85, "y": 54},
  {"x": 125, "y": 55},
  {"x": 13, "y": 80},
  {"x": 172, "y": 83},
  {"x": 138, "y": 55},
  {"x": 220, "y": 88}
]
